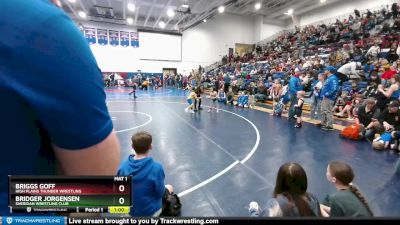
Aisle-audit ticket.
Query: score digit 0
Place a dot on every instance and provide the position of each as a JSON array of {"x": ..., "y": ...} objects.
[{"x": 121, "y": 188}]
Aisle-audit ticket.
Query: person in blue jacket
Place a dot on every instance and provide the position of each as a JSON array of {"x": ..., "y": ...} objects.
[
  {"x": 294, "y": 87},
  {"x": 148, "y": 176},
  {"x": 55, "y": 117},
  {"x": 329, "y": 93}
]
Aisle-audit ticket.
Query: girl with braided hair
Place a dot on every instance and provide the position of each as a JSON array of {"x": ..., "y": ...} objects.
[{"x": 348, "y": 201}]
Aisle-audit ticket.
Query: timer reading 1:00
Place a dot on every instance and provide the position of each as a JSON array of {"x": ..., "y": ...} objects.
[{"x": 118, "y": 210}]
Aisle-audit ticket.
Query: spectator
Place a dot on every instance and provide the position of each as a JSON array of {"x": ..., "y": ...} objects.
[
  {"x": 340, "y": 103},
  {"x": 329, "y": 92},
  {"x": 276, "y": 93},
  {"x": 367, "y": 115},
  {"x": 262, "y": 93},
  {"x": 291, "y": 198},
  {"x": 294, "y": 87},
  {"x": 374, "y": 78},
  {"x": 391, "y": 93},
  {"x": 395, "y": 10},
  {"x": 374, "y": 50},
  {"x": 70, "y": 126},
  {"x": 229, "y": 96},
  {"x": 221, "y": 95},
  {"x": 197, "y": 100},
  {"x": 349, "y": 71},
  {"x": 388, "y": 73},
  {"x": 147, "y": 178},
  {"x": 392, "y": 54},
  {"x": 348, "y": 201},
  {"x": 390, "y": 117}
]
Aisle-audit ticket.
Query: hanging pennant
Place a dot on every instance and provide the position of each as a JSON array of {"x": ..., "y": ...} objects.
[
  {"x": 135, "y": 39},
  {"x": 90, "y": 35},
  {"x": 124, "y": 37},
  {"x": 102, "y": 37},
  {"x": 114, "y": 37}
]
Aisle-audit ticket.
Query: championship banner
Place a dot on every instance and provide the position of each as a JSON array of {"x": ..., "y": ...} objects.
[
  {"x": 135, "y": 39},
  {"x": 90, "y": 35},
  {"x": 124, "y": 36},
  {"x": 102, "y": 36},
  {"x": 114, "y": 37}
]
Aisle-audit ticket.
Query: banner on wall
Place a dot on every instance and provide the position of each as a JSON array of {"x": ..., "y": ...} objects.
[
  {"x": 135, "y": 39},
  {"x": 90, "y": 35},
  {"x": 102, "y": 37},
  {"x": 124, "y": 37},
  {"x": 114, "y": 37}
]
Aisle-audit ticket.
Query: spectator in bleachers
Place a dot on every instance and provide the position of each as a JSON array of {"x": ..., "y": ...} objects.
[
  {"x": 374, "y": 78},
  {"x": 290, "y": 198},
  {"x": 389, "y": 119},
  {"x": 367, "y": 115},
  {"x": 348, "y": 201},
  {"x": 340, "y": 102},
  {"x": 392, "y": 54},
  {"x": 229, "y": 96},
  {"x": 262, "y": 93},
  {"x": 388, "y": 94},
  {"x": 395, "y": 10},
  {"x": 371, "y": 90},
  {"x": 374, "y": 50},
  {"x": 329, "y": 92},
  {"x": 349, "y": 71},
  {"x": 388, "y": 73},
  {"x": 147, "y": 177},
  {"x": 227, "y": 82}
]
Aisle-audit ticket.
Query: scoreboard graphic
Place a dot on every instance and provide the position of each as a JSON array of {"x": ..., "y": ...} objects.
[{"x": 69, "y": 194}]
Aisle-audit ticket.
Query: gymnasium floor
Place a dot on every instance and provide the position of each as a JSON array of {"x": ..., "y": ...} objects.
[{"x": 219, "y": 162}]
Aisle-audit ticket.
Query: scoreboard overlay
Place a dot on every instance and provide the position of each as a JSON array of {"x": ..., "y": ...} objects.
[{"x": 95, "y": 194}]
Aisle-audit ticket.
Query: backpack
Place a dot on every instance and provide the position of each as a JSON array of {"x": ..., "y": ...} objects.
[
  {"x": 171, "y": 205},
  {"x": 352, "y": 132}
]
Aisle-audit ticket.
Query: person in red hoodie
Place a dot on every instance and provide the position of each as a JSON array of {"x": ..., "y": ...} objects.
[{"x": 388, "y": 73}]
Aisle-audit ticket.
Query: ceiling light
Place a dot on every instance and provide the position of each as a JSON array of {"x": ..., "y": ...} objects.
[
  {"x": 289, "y": 12},
  {"x": 170, "y": 13},
  {"x": 161, "y": 24},
  {"x": 129, "y": 20},
  {"x": 258, "y": 6},
  {"x": 82, "y": 14},
  {"x": 205, "y": 20},
  {"x": 72, "y": 1},
  {"x": 185, "y": 6},
  {"x": 221, "y": 9},
  {"x": 131, "y": 7},
  {"x": 323, "y": 1}
]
